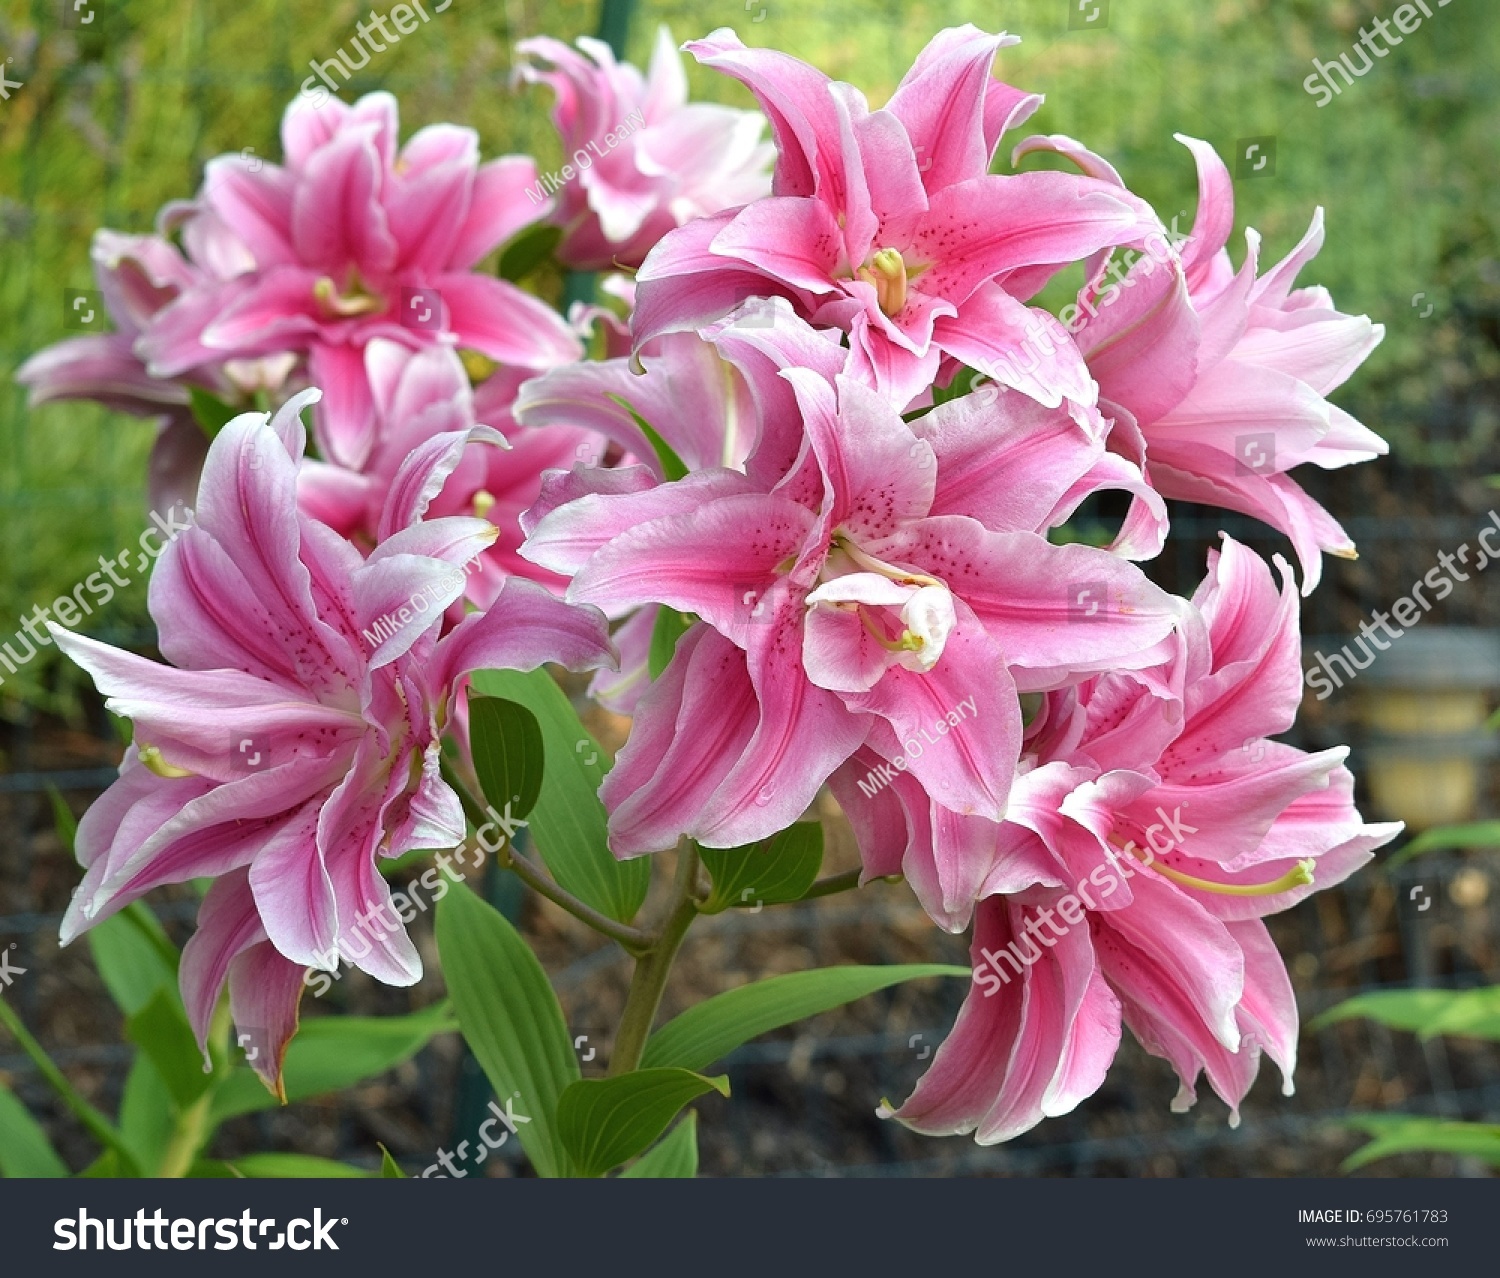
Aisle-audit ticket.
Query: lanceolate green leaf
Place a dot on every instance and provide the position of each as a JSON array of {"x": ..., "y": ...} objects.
[
  {"x": 331, "y": 1053},
  {"x": 160, "y": 1029},
  {"x": 506, "y": 741},
  {"x": 510, "y": 1018},
  {"x": 670, "y": 626},
  {"x": 134, "y": 957},
  {"x": 1405, "y": 1133},
  {"x": 1475, "y": 1013},
  {"x": 390, "y": 1169},
  {"x": 25, "y": 1151},
  {"x": 675, "y": 1158},
  {"x": 531, "y": 249},
  {"x": 293, "y": 1167},
  {"x": 568, "y": 822},
  {"x": 147, "y": 1112},
  {"x": 774, "y": 870},
  {"x": 1481, "y": 834},
  {"x": 714, "y": 1028},
  {"x": 63, "y": 820},
  {"x": 211, "y": 412},
  {"x": 672, "y": 466},
  {"x": 604, "y": 1121}
]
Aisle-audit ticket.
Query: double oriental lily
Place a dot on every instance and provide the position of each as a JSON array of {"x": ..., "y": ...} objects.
[
  {"x": 1154, "y": 828},
  {"x": 352, "y": 239},
  {"x": 295, "y": 738},
  {"x": 888, "y": 225},
  {"x": 856, "y": 599},
  {"x": 1224, "y": 374}
]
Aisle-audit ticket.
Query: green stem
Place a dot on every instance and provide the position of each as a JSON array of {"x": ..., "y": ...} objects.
[
  {"x": 833, "y": 883},
  {"x": 98, "y": 1126},
  {"x": 635, "y": 941},
  {"x": 192, "y": 1129},
  {"x": 652, "y": 969}
]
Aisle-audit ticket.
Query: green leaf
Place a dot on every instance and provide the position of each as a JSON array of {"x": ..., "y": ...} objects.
[
  {"x": 25, "y": 1151},
  {"x": 670, "y": 626},
  {"x": 770, "y": 872},
  {"x": 672, "y": 467},
  {"x": 390, "y": 1169},
  {"x": 529, "y": 250},
  {"x": 161, "y": 1030},
  {"x": 1403, "y": 1133},
  {"x": 212, "y": 1169},
  {"x": 714, "y": 1028},
  {"x": 134, "y": 957},
  {"x": 676, "y": 1158},
  {"x": 506, "y": 741},
  {"x": 108, "y": 1166},
  {"x": 1474, "y": 1013},
  {"x": 568, "y": 822},
  {"x": 147, "y": 1114},
  {"x": 211, "y": 412},
  {"x": 510, "y": 1018},
  {"x": 332, "y": 1053},
  {"x": 961, "y": 385},
  {"x": 1481, "y": 834},
  {"x": 604, "y": 1121},
  {"x": 63, "y": 819},
  {"x": 293, "y": 1167}
]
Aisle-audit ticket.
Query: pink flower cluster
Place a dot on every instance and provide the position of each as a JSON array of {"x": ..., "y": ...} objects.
[{"x": 840, "y": 433}]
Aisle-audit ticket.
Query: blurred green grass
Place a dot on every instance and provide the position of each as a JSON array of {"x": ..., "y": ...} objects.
[{"x": 117, "y": 116}]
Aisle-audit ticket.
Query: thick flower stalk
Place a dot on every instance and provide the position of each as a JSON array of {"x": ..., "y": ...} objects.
[{"x": 294, "y": 741}]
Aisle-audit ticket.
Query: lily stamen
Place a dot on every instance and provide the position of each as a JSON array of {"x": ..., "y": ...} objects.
[
  {"x": 1300, "y": 875},
  {"x": 900, "y": 576}
]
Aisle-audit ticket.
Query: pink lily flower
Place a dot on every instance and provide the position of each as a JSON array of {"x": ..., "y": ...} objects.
[
  {"x": 888, "y": 225},
  {"x": 352, "y": 240},
  {"x": 1226, "y": 374},
  {"x": 647, "y": 159},
  {"x": 1153, "y": 830},
  {"x": 421, "y": 400},
  {"x": 138, "y": 276},
  {"x": 851, "y": 594},
  {"x": 294, "y": 739}
]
